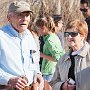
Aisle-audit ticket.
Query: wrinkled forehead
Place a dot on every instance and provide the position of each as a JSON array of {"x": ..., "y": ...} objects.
[
  {"x": 72, "y": 30},
  {"x": 26, "y": 13}
]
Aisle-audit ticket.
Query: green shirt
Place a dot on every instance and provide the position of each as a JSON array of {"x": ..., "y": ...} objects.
[{"x": 53, "y": 48}]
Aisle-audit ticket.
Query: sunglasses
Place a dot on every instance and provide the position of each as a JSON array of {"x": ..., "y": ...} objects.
[
  {"x": 72, "y": 34},
  {"x": 83, "y": 10}
]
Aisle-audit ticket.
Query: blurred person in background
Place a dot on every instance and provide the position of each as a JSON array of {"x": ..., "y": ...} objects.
[
  {"x": 85, "y": 9},
  {"x": 52, "y": 49},
  {"x": 17, "y": 67},
  {"x": 73, "y": 69},
  {"x": 58, "y": 26},
  {"x": 41, "y": 49}
]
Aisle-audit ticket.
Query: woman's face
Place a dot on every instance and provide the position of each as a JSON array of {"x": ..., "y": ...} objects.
[
  {"x": 42, "y": 31},
  {"x": 73, "y": 38}
]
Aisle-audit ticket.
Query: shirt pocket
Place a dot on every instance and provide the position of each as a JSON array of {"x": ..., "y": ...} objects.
[{"x": 36, "y": 57}]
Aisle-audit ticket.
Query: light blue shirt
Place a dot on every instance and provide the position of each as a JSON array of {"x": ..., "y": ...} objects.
[{"x": 15, "y": 57}]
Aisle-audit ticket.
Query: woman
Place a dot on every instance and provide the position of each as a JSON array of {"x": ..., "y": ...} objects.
[
  {"x": 58, "y": 26},
  {"x": 73, "y": 69},
  {"x": 52, "y": 49}
]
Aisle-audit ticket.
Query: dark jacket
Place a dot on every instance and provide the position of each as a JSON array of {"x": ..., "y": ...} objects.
[{"x": 88, "y": 23}]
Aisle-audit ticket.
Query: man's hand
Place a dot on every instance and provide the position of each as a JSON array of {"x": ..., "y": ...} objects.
[
  {"x": 18, "y": 83},
  {"x": 39, "y": 79}
]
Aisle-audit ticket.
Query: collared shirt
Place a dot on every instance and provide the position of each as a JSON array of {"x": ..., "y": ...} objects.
[
  {"x": 15, "y": 56},
  {"x": 53, "y": 48}
]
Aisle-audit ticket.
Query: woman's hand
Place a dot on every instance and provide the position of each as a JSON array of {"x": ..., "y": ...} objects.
[
  {"x": 39, "y": 79},
  {"x": 67, "y": 86}
]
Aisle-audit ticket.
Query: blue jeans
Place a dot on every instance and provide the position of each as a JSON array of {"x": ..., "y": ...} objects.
[{"x": 48, "y": 77}]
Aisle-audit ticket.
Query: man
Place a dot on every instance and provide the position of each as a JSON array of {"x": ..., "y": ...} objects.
[
  {"x": 85, "y": 9},
  {"x": 17, "y": 67}
]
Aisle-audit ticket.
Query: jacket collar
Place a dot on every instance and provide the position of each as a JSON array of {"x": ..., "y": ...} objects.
[
  {"x": 83, "y": 53},
  {"x": 85, "y": 50},
  {"x": 68, "y": 55}
]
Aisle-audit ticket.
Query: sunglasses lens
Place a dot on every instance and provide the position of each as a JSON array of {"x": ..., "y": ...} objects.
[
  {"x": 66, "y": 34},
  {"x": 83, "y": 10},
  {"x": 72, "y": 34}
]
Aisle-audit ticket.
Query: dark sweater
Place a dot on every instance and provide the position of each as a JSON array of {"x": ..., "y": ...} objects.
[{"x": 71, "y": 69}]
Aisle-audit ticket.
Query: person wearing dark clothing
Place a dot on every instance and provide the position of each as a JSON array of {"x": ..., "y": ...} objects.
[
  {"x": 41, "y": 49},
  {"x": 85, "y": 9},
  {"x": 88, "y": 23}
]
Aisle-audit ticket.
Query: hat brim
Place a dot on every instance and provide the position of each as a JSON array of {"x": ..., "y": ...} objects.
[
  {"x": 57, "y": 18},
  {"x": 20, "y": 10}
]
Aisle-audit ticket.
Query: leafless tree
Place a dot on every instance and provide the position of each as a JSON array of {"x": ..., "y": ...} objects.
[{"x": 68, "y": 8}]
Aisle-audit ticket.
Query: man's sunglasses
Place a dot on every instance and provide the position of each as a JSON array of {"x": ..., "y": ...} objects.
[
  {"x": 72, "y": 34},
  {"x": 84, "y": 10}
]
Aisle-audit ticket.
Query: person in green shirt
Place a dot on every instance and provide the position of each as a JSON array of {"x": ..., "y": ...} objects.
[{"x": 52, "y": 49}]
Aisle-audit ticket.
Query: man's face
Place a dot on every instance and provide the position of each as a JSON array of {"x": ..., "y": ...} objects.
[
  {"x": 19, "y": 21},
  {"x": 85, "y": 10}
]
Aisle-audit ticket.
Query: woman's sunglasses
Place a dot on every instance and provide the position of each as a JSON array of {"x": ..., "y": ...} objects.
[
  {"x": 72, "y": 34},
  {"x": 84, "y": 10}
]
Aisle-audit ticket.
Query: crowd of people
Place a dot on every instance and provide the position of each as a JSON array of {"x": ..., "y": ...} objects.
[{"x": 20, "y": 50}]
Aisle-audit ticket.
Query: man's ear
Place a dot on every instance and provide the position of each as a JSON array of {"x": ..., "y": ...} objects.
[{"x": 8, "y": 17}]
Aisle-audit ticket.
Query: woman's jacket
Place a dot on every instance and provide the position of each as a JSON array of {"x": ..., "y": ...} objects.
[{"x": 82, "y": 70}]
